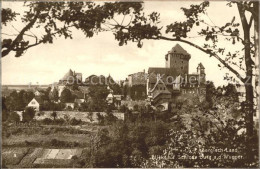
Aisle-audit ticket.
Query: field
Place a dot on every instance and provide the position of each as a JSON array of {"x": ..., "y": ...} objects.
[
  {"x": 40, "y": 157},
  {"x": 13, "y": 156},
  {"x": 46, "y": 145},
  {"x": 42, "y": 145}
]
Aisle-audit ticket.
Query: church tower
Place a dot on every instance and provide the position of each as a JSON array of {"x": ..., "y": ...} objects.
[{"x": 178, "y": 60}]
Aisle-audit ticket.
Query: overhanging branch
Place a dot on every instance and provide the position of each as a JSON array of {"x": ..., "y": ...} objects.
[{"x": 205, "y": 51}]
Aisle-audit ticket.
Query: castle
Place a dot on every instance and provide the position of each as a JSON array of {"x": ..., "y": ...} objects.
[{"x": 164, "y": 84}]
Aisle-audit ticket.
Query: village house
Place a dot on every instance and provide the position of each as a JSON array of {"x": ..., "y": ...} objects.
[
  {"x": 113, "y": 99},
  {"x": 38, "y": 92},
  {"x": 35, "y": 103}
]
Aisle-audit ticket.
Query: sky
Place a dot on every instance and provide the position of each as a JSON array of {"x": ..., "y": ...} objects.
[{"x": 47, "y": 63}]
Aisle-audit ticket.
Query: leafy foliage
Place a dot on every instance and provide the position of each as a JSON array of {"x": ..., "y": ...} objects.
[
  {"x": 28, "y": 114},
  {"x": 97, "y": 98},
  {"x": 66, "y": 96},
  {"x": 220, "y": 126},
  {"x": 7, "y": 15},
  {"x": 14, "y": 117},
  {"x": 18, "y": 101},
  {"x": 57, "y": 19},
  {"x": 54, "y": 94}
]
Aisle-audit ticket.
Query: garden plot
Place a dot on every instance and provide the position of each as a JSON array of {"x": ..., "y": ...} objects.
[
  {"x": 28, "y": 160},
  {"x": 57, "y": 155},
  {"x": 12, "y": 156}
]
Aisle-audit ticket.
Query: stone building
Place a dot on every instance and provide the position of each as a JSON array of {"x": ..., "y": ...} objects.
[{"x": 172, "y": 81}]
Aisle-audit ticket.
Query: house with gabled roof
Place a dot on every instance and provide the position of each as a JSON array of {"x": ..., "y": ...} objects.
[{"x": 35, "y": 103}]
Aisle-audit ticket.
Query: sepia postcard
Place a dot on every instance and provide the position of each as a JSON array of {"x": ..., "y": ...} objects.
[{"x": 129, "y": 84}]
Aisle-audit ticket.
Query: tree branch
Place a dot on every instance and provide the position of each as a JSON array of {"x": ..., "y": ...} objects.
[
  {"x": 205, "y": 51},
  {"x": 20, "y": 35},
  {"x": 250, "y": 21}
]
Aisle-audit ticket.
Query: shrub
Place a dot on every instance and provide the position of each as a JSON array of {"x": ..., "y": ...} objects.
[
  {"x": 109, "y": 119},
  {"x": 14, "y": 117},
  {"x": 47, "y": 121},
  {"x": 74, "y": 121},
  {"x": 59, "y": 121},
  {"x": 75, "y": 144},
  {"x": 27, "y": 143},
  {"x": 45, "y": 132},
  {"x": 57, "y": 143},
  {"x": 80, "y": 164},
  {"x": 41, "y": 113},
  {"x": 100, "y": 119},
  {"x": 16, "y": 131},
  {"x": 74, "y": 157},
  {"x": 28, "y": 114},
  {"x": 7, "y": 135}
]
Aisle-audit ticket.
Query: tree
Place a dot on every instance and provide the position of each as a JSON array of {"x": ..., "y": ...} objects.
[
  {"x": 5, "y": 113},
  {"x": 66, "y": 96},
  {"x": 116, "y": 88},
  {"x": 86, "y": 16},
  {"x": 18, "y": 101},
  {"x": 210, "y": 90},
  {"x": 54, "y": 95},
  {"x": 28, "y": 114},
  {"x": 98, "y": 95},
  {"x": 14, "y": 117},
  {"x": 54, "y": 115},
  {"x": 46, "y": 94},
  {"x": 27, "y": 97},
  {"x": 138, "y": 92}
]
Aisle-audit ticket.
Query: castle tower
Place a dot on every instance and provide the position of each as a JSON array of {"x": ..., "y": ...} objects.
[
  {"x": 178, "y": 59},
  {"x": 201, "y": 72}
]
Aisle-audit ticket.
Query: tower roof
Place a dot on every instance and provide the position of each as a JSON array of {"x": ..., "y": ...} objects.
[
  {"x": 201, "y": 65},
  {"x": 178, "y": 49}
]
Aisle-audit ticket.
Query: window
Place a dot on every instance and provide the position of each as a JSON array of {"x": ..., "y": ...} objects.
[
  {"x": 182, "y": 67},
  {"x": 33, "y": 102}
]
